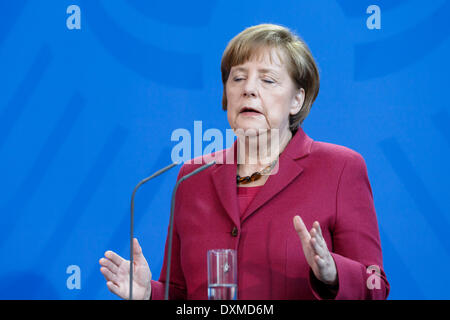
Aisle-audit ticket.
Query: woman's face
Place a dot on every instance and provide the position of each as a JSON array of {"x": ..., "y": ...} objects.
[{"x": 261, "y": 94}]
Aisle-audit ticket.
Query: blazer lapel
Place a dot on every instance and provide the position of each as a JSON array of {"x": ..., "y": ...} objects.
[
  {"x": 288, "y": 170},
  {"x": 224, "y": 176},
  {"x": 224, "y": 180}
]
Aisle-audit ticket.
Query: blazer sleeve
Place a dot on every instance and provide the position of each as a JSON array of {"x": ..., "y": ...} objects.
[
  {"x": 177, "y": 286},
  {"x": 356, "y": 240}
]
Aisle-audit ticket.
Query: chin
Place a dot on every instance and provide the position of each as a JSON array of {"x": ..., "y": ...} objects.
[
  {"x": 250, "y": 126},
  {"x": 249, "y": 131}
]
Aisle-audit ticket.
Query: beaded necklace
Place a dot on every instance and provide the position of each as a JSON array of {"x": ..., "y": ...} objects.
[{"x": 256, "y": 175}]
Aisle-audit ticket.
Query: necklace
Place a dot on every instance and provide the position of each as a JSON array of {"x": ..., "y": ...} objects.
[{"x": 256, "y": 175}]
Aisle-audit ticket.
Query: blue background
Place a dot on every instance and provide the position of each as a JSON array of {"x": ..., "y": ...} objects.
[{"x": 85, "y": 114}]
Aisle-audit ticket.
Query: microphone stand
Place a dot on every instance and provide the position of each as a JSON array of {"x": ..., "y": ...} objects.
[
  {"x": 172, "y": 207},
  {"x": 157, "y": 173}
]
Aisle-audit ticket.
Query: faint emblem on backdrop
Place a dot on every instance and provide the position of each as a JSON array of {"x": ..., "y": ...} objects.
[
  {"x": 382, "y": 56},
  {"x": 149, "y": 59}
]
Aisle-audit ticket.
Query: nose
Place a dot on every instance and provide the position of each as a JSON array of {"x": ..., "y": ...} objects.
[
  {"x": 249, "y": 88},
  {"x": 249, "y": 93}
]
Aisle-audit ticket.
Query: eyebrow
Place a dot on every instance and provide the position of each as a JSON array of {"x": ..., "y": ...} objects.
[{"x": 262, "y": 70}]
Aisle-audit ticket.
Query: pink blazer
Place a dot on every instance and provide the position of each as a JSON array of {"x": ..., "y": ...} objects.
[{"x": 316, "y": 180}]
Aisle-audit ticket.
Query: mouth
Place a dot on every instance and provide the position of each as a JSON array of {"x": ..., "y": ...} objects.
[{"x": 249, "y": 111}]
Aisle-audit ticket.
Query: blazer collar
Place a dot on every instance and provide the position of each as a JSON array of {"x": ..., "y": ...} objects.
[
  {"x": 224, "y": 176},
  {"x": 299, "y": 146}
]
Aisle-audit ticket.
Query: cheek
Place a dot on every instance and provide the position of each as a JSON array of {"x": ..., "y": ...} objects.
[
  {"x": 275, "y": 118},
  {"x": 231, "y": 112},
  {"x": 278, "y": 107},
  {"x": 229, "y": 115},
  {"x": 232, "y": 94},
  {"x": 232, "y": 100}
]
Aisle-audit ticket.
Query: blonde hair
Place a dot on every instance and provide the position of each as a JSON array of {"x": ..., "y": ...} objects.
[{"x": 300, "y": 65}]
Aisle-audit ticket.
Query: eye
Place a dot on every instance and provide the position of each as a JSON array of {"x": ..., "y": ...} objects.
[
  {"x": 237, "y": 79},
  {"x": 268, "y": 81}
]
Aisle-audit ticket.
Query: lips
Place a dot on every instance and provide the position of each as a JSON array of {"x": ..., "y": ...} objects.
[{"x": 249, "y": 110}]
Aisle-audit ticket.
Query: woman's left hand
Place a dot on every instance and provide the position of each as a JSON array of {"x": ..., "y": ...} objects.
[{"x": 316, "y": 252}]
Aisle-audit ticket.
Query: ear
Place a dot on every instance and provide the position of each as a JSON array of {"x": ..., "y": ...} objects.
[{"x": 297, "y": 102}]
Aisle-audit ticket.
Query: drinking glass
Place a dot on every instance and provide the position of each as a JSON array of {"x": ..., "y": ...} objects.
[{"x": 222, "y": 274}]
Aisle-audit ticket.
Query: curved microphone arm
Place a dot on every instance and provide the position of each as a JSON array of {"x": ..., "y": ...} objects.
[
  {"x": 172, "y": 206},
  {"x": 157, "y": 173}
]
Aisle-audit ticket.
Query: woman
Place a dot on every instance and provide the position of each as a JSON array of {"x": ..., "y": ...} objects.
[{"x": 263, "y": 206}]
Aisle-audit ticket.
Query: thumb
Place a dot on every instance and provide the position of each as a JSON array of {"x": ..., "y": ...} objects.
[{"x": 137, "y": 250}]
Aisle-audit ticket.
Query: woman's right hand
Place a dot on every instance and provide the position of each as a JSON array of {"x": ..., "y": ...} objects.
[{"x": 116, "y": 271}]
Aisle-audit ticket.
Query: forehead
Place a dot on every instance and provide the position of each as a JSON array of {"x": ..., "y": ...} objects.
[{"x": 266, "y": 57}]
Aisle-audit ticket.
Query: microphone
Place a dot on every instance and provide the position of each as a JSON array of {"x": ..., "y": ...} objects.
[
  {"x": 157, "y": 173},
  {"x": 172, "y": 206}
]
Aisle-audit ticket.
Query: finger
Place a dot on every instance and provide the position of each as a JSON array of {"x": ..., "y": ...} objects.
[
  {"x": 137, "y": 250},
  {"x": 114, "y": 257},
  {"x": 109, "y": 276},
  {"x": 301, "y": 230},
  {"x": 317, "y": 247},
  {"x": 114, "y": 288},
  {"x": 313, "y": 232},
  {"x": 320, "y": 238},
  {"x": 109, "y": 264},
  {"x": 316, "y": 225},
  {"x": 138, "y": 254},
  {"x": 320, "y": 262},
  {"x": 315, "y": 235}
]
